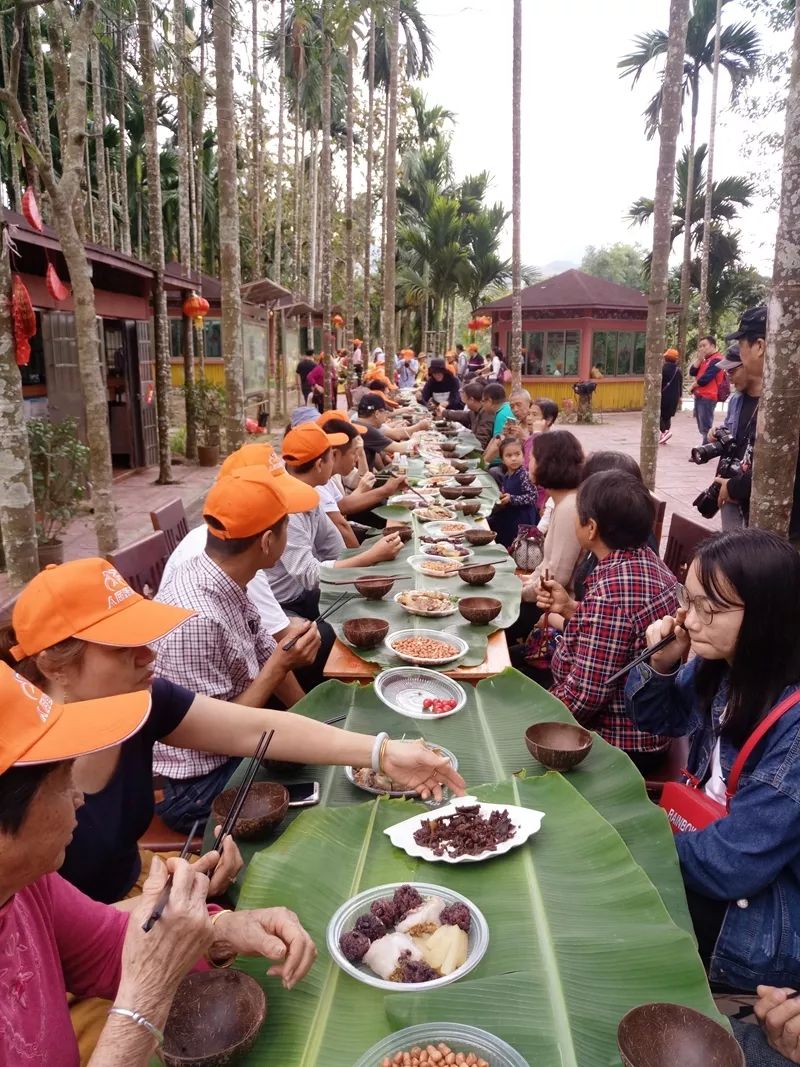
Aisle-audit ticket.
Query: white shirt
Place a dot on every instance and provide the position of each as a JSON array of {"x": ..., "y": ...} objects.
[
  {"x": 497, "y": 363},
  {"x": 329, "y": 495},
  {"x": 716, "y": 785},
  {"x": 273, "y": 617},
  {"x": 311, "y": 541}
]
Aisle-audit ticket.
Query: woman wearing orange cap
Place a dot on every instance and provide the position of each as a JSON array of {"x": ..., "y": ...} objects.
[
  {"x": 56, "y": 940},
  {"x": 671, "y": 390},
  {"x": 81, "y": 633}
]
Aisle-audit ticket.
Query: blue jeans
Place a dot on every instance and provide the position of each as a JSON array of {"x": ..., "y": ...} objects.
[
  {"x": 187, "y": 799},
  {"x": 757, "y": 1052},
  {"x": 704, "y": 414}
]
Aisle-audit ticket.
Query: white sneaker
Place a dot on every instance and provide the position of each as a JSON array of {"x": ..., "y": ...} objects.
[{"x": 666, "y": 436}]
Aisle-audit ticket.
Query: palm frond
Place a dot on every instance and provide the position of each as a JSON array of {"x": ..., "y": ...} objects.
[{"x": 647, "y": 46}]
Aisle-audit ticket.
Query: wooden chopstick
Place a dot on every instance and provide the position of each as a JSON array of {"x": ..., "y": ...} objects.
[
  {"x": 648, "y": 652},
  {"x": 163, "y": 896},
  {"x": 340, "y": 601},
  {"x": 244, "y": 789}
]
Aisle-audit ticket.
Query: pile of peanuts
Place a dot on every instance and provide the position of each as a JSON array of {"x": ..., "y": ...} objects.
[
  {"x": 424, "y": 648},
  {"x": 441, "y": 1054}
]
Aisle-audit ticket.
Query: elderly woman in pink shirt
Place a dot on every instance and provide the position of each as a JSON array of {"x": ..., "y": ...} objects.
[{"x": 55, "y": 940}]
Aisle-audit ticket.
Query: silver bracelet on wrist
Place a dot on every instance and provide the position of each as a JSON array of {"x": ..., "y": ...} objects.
[
  {"x": 140, "y": 1020},
  {"x": 376, "y": 751}
]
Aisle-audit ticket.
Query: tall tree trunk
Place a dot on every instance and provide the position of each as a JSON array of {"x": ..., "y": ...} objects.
[
  {"x": 669, "y": 125},
  {"x": 312, "y": 222},
  {"x": 712, "y": 137},
  {"x": 516, "y": 209},
  {"x": 155, "y": 219},
  {"x": 17, "y": 518},
  {"x": 42, "y": 103},
  {"x": 199, "y": 156},
  {"x": 389, "y": 297},
  {"x": 328, "y": 343},
  {"x": 366, "y": 326},
  {"x": 15, "y": 182},
  {"x": 122, "y": 169},
  {"x": 230, "y": 258},
  {"x": 299, "y": 166},
  {"x": 349, "y": 300},
  {"x": 278, "y": 355},
  {"x": 184, "y": 221},
  {"x": 686, "y": 265},
  {"x": 257, "y": 154},
  {"x": 87, "y": 173},
  {"x": 384, "y": 174},
  {"x": 778, "y": 430},
  {"x": 98, "y": 129}
]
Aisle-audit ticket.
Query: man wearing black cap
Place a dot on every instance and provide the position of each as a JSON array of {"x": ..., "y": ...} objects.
[
  {"x": 373, "y": 413},
  {"x": 740, "y": 421}
]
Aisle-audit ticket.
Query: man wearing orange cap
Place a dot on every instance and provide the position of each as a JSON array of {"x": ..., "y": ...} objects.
[
  {"x": 223, "y": 651},
  {"x": 312, "y": 538}
]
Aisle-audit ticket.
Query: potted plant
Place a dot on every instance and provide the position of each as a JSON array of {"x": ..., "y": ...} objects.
[
  {"x": 60, "y": 469},
  {"x": 209, "y": 406}
]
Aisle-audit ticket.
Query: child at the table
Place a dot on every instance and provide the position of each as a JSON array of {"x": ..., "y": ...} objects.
[{"x": 517, "y": 504}]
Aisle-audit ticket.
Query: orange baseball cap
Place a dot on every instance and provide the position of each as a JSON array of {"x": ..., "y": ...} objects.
[
  {"x": 89, "y": 599},
  {"x": 338, "y": 416},
  {"x": 251, "y": 456},
  {"x": 308, "y": 442},
  {"x": 34, "y": 729},
  {"x": 252, "y": 499}
]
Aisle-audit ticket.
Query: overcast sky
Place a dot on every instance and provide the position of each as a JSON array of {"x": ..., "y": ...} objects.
[{"x": 584, "y": 155}]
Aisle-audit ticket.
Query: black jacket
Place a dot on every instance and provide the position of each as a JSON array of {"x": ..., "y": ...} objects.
[{"x": 671, "y": 387}]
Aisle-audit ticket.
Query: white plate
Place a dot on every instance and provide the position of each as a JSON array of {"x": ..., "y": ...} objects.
[
  {"x": 435, "y": 635},
  {"x": 435, "y": 528},
  {"x": 419, "y": 611},
  {"x": 418, "y": 562},
  {"x": 528, "y": 821},
  {"x": 410, "y": 500},
  {"x": 345, "y": 917},
  {"x": 350, "y": 774},
  {"x": 463, "y": 556},
  {"x": 421, "y": 511},
  {"x": 403, "y": 689},
  {"x": 457, "y": 1035}
]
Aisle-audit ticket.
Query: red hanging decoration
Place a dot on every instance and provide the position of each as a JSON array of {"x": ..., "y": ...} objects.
[
  {"x": 337, "y": 321},
  {"x": 24, "y": 319},
  {"x": 196, "y": 308},
  {"x": 55, "y": 286},
  {"x": 30, "y": 209}
]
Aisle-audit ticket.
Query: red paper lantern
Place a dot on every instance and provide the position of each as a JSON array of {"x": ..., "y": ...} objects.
[
  {"x": 30, "y": 209},
  {"x": 196, "y": 308},
  {"x": 55, "y": 286},
  {"x": 337, "y": 321},
  {"x": 24, "y": 319}
]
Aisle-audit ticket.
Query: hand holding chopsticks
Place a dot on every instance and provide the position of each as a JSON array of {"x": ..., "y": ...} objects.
[
  {"x": 340, "y": 602},
  {"x": 163, "y": 896},
  {"x": 676, "y": 633}
]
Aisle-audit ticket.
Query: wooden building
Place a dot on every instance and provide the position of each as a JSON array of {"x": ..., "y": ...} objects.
[{"x": 576, "y": 326}]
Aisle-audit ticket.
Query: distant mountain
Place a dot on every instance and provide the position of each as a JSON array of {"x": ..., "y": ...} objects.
[{"x": 557, "y": 266}]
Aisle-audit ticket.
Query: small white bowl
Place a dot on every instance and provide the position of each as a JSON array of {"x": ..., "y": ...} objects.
[{"x": 435, "y": 635}]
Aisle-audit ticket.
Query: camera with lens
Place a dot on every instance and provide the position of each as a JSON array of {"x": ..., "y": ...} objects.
[{"x": 722, "y": 448}]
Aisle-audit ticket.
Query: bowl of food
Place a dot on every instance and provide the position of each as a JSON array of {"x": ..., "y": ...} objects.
[
  {"x": 430, "y": 603},
  {"x": 380, "y": 784},
  {"x": 468, "y": 507},
  {"x": 665, "y": 1035},
  {"x": 477, "y": 573},
  {"x": 406, "y": 937},
  {"x": 434, "y": 568},
  {"x": 446, "y": 550},
  {"x": 465, "y": 479},
  {"x": 456, "y": 1043},
  {"x": 456, "y": 492},
  {"x": 448, "y": 447},
  {"x": 426, "y": 647},
  {"x": 480, "y": 610},
  {"x": 264, "y": 808},
  {"x": 365, "y": 633},
  {"x": 448, "y": 430},
  {"x": 434, "y": 513},
  {"x": 215, "y": 1018},
  {"x": 447, "y": 528},
  {"x": 418, "y": 693},
  {"x": 559, "y": 746},
  {"x": 403, "y": 531},
  {"x": 374, "y": 588},
  {"x": 478, "y": 538}
]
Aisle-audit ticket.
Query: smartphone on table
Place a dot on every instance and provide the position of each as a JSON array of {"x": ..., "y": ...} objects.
[{"x": 303, "y": 794}]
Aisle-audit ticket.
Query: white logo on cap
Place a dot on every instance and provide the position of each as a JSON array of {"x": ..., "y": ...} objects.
[
  {"x": 113, "y": 580},
  {"x": 44, "y": 703},
  {"x": 275, "y": 464}
]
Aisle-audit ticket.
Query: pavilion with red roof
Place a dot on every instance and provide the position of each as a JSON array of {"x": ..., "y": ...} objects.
[{"x": 572, "y": 323}]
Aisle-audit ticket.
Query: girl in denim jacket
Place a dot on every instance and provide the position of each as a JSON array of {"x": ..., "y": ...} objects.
[{"x": 741, "y": 619}]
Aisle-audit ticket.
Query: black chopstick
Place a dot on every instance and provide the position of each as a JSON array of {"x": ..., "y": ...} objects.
[
  {"x": 648, "y": 652},
  {"x": 244, "y": 788},
  {"x": 340, "y": 602},
  {"x": 163, "y": 896}
]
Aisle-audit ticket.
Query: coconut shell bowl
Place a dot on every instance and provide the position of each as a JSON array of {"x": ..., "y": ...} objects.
[
  {"x": 559, "y": 746},
  {"x": 365, "y": 633},
  {"x": 264, "y": 809},
  {"x": 477, "y": 573},
  {"x": 669, "y": 1035},
  {"x": 374, "y": 588},
  {"x": 214, "y": 1020},
  {"x": 479, "y": 610}
]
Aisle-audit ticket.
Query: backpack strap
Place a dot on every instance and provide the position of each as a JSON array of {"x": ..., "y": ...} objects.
[{"x": 766, "y": 723}]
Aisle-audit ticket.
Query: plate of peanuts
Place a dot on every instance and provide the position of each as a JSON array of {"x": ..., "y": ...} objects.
[
  {"x": 429, "y": 648},
  {"x": 440, "y": 1045}
]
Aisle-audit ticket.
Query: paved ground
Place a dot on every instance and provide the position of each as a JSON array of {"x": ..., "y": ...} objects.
[{"x": 136, "y": 494}]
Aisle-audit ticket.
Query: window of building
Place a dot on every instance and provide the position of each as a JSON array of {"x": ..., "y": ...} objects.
[
  {"x": 212, "y": 331},
  {"x": 551, "y": 353},
  {"x": 618, "y": 352}
]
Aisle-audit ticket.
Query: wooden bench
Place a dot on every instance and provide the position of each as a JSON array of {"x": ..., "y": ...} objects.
[
  {"x": 171, "y": 521},
  {"x": 142, "y": 563},
  {"x": 683, "y": 540}
]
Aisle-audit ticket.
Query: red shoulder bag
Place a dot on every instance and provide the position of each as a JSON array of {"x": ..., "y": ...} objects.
[{"x": 689, "y": 808}]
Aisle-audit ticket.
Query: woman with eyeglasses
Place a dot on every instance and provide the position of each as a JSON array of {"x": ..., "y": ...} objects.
[{"x": 740, "y": 617}]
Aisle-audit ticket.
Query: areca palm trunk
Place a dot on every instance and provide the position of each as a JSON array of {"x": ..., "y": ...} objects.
[
  {"x": 384, "y": 175},
  {"x": 778, "y": 428},
  {"x": 686, "y": 265},
  {"x": 349, "y": 310},
  {"x": 312, "y": 222},
  {"x": 230, "y": 256},
  {"x": 516, "y": 209},
  {"x": 297, "y": 209},
  {"x": 155, "y": 218},
  {"x": 15, "y": 183},
  {"x": 122, "y": 169},
  {"x": 98, "y": 127},
  {"x": 366, "y": 327},
  {"x": 669, "y": 126},
  {"x": 325, "y": 209},
  {"x": 184, "y": 222},
  {"x": 712, "y": 137},
  {"x": 278, "y": 356},
  {"x": 391, "y": 193},
  {"x": 42, "y": 103},
  {"x": 257, "y": 155}
]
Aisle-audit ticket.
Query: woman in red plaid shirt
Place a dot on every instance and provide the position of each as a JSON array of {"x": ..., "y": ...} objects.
[{"x": 629, "y": 588}]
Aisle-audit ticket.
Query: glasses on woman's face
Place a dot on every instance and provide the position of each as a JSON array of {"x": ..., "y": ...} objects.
[{"x": 703, "y": 608}]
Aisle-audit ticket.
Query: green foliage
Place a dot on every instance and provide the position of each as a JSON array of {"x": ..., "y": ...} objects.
[
  {"x": 177, "y": 441},
  {"x": 60, "y": 468},
  {"x": 209, "y": 406},
  {"x": 620, "y": 262}
]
